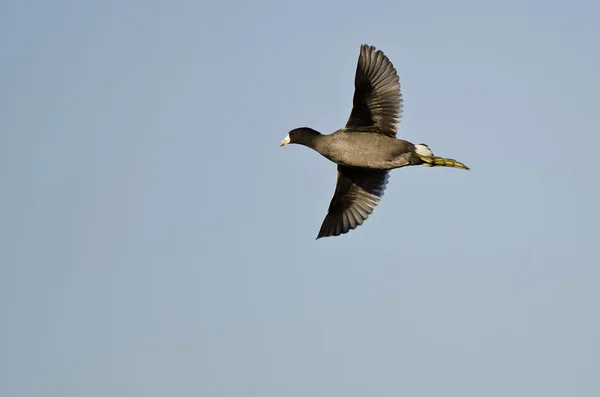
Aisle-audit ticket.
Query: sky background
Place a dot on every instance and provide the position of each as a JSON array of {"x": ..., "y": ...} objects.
[{"x": 156, "y": 241}]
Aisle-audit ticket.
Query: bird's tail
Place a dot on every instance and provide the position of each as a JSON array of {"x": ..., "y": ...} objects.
[{"x": 429, "y": 160}]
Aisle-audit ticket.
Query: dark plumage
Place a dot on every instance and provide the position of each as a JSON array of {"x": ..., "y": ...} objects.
[{"x": 366, "y": 149}]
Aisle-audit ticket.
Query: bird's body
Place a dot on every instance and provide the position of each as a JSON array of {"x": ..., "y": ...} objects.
[{"x": 366, "y": 149}]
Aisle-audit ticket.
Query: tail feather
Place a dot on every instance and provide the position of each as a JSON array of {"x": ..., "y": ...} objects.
[{"x": 429, "y": 160}]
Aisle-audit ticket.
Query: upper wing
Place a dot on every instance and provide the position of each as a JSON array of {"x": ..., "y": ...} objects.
[
  {"x": 377, "y": 104},
  {"x": 357, "y": 192}
]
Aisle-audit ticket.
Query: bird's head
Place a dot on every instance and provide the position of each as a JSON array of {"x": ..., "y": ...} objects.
[{"x": 302, "y": 136}]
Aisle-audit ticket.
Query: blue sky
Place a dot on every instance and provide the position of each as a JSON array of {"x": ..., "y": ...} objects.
[{"x": 155, "y": 240}]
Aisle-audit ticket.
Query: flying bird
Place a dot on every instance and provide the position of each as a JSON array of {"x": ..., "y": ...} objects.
[{"x": 366, "y": 149}]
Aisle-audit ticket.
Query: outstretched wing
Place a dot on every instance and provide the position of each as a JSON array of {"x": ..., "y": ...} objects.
[
  {"x": 357, "y": 193},
  {"x": 377, "y": 104}
]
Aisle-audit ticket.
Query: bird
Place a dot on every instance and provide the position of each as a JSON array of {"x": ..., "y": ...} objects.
[{"x": 366, "y": 148}]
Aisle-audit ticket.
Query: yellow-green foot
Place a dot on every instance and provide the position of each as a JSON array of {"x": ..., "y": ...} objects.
[{"x": 441, "y": 162}]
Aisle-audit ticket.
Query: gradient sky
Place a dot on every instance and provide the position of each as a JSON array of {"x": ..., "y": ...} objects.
[{"x": 156, "y": 241}]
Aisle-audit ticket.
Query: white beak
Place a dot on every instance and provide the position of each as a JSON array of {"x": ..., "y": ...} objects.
[{"x": 285, "y": 141}]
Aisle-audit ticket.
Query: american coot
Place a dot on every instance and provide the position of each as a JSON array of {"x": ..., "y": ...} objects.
[{"x": 366, "y": 149}]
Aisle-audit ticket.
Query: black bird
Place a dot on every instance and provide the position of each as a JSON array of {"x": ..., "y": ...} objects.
[{"x": 366, "y": 149}]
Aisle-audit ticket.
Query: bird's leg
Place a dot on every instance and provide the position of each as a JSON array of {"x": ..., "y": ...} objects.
[{"x": 435, "y": 161}]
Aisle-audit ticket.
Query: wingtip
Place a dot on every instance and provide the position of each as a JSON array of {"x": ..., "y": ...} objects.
[
  {"x": 322, "y": 234},
  {"x": 367, "y": 47}
]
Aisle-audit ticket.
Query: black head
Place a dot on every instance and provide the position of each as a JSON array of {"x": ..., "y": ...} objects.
[{"x": 302, "y": 136}]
